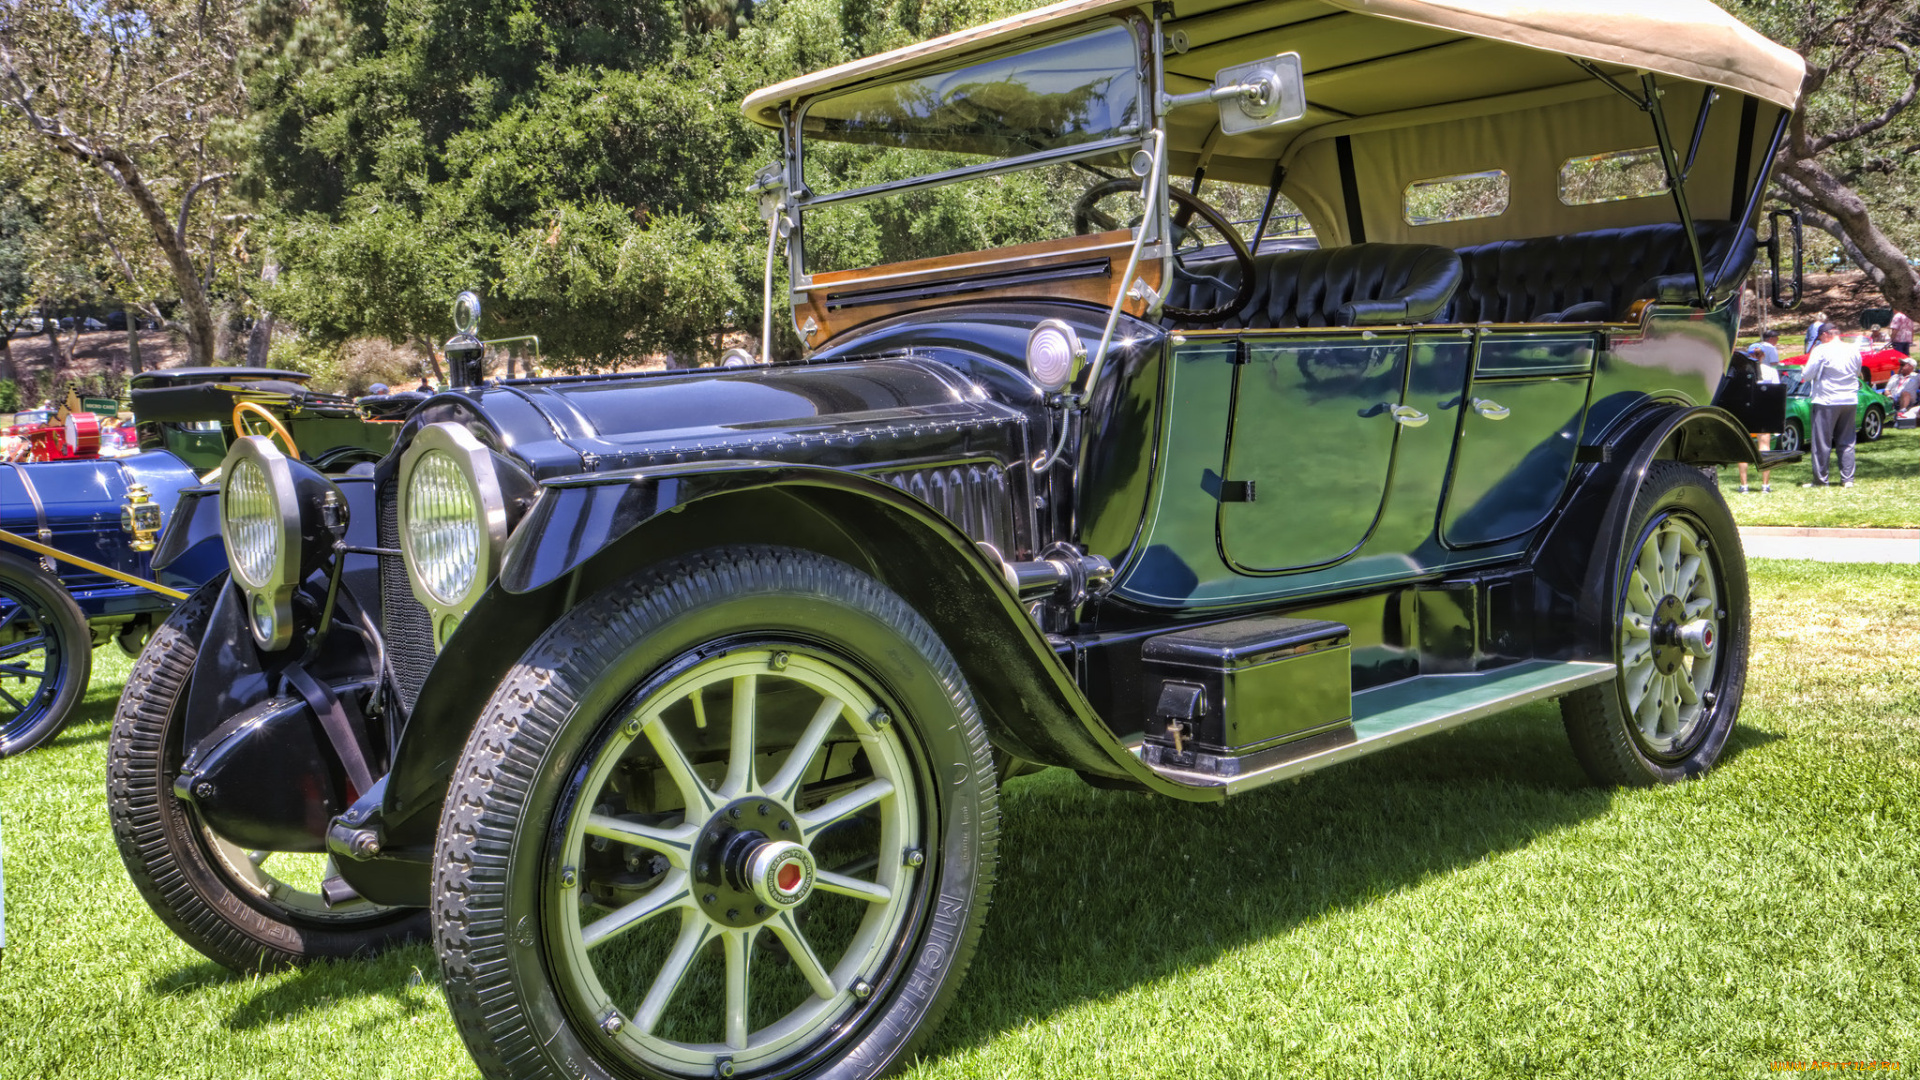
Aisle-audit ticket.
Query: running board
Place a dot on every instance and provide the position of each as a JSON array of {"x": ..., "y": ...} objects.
[{"x": 1412, "y": 708}]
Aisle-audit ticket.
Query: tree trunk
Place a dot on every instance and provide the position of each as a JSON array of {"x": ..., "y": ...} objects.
[
  {"x": 7, "y": 371},
  {"x": 260, "y": 340},
  {"x": 1881, "y": 258},
  {"x": 133, "y": 341},
  {"x": 223, "y": 332}
]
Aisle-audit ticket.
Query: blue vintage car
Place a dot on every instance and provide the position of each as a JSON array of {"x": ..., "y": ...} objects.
[
  {"x": 675, "y": 704},
  {"x": 84, "y": 574}
]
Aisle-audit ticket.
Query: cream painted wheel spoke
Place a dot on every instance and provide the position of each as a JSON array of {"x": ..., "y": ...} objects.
[
  {"x": 1670, "y": 561},
  {"x": 675, "y": 844},
  {"x": 695, "y": 932},
  {"x": 739, "y": 958},
  {"x": 740, "y": 779},
  {"x": 786, "y": 783},
  {"x": 1638, "y": 681},
  {"x": 1689, "y": 694},
  {"x": 854, "y": 887},
  {"x": 666, "y": 896},
  {"x": 692, "y": 791},
  {"x": 788, "y": 931},
  {"x": 844, "y": 807}
]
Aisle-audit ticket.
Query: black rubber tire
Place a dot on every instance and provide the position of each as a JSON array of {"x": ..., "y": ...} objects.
[
  {"x": 163, "y": 848},
  {"x": 1604, "y": 738},
  {"x": 1873, "y": 424},
  {"x": 561, "y": 697},
  {"x": 71, "y": 649}
]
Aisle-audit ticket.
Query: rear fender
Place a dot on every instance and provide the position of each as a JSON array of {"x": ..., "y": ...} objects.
[
  {"x": 583, "y": 536},
  {"x": 1573, "y": 561}
]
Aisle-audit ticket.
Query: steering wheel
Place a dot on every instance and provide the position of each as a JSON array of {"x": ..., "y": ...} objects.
[
  {"x": 243, "y": 408},
  {"x": 1087, "y": 219}
]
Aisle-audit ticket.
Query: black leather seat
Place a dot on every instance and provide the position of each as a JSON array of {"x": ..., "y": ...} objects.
[
  {"x": 1593, "y": 276},
  {"x": 1357, "y": 285}
]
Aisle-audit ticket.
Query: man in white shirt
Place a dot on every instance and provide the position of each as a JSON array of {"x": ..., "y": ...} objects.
[
  {"x": 1766, "y": 357},
  {"x": 1832, "y": 379}
]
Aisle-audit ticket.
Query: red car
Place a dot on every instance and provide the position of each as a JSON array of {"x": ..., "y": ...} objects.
[{"x": 1878, "y": 363}]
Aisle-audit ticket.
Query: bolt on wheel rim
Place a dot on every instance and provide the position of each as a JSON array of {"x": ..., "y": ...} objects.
[
  {"x": 1670, "y": 631},
  {"x": 732, "y": 878},
  {"x": 30, "y": 664}
]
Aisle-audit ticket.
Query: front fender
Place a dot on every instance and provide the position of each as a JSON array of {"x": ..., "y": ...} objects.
[{"x": 588, "y": 533}]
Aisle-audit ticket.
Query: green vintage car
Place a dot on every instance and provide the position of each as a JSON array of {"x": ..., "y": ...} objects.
[{"x": 1875, "y": 407}]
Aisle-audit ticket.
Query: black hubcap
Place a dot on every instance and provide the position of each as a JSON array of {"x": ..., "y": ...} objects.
[{"x": 1667, "y": 647}]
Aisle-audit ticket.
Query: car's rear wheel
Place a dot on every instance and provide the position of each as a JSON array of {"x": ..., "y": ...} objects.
[
  {"x": 249, "y": 910},
  {"x": 1873, "y": 423},
  {"x": 1791, "y": 438},
  {"x": 1679, "y": 636},
  {"x": 735, "y": 816},
  {"x": 46, "y": 655}
]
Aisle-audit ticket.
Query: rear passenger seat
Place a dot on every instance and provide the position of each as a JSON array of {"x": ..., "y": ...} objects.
[
  {"x": 1577, "y": 277},
  {"x": 1592, "y": 276}
]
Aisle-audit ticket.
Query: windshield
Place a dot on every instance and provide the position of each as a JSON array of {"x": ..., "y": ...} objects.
[{"x": 1072, "y": 92}]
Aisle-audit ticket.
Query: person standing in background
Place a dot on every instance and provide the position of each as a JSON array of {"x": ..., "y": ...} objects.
[
  {"x": 1766, "y": 357},
  {"x": 1814, "y": 328},
  {"x": 1903, "y": 386},
  {"x": 1900, "y": 333},
  {"x": 1832, "y": 377}
]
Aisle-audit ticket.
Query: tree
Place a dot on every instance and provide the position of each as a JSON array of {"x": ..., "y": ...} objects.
[
  {"x": 582, "y": 163},
  {"x": 145, "y": 96},
  {"x": 1847, "y": 162},
  {"x": 19, "y": 230}
]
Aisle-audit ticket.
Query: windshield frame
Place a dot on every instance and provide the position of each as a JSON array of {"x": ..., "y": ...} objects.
[{"x": 799, "y": 197}]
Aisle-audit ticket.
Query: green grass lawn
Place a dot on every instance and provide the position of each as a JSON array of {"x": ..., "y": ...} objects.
[
  {"x": 1885, "y": 494},
  {"x": 1466, "y": 906}
]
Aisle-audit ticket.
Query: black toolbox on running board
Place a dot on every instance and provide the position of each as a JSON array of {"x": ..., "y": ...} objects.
[{"x": 1233, "y": 696}]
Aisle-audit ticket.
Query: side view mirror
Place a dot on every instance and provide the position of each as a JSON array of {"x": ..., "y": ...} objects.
[
  {"x": 1781, "y": 299},
  {"x": 1261, "y": 94}
]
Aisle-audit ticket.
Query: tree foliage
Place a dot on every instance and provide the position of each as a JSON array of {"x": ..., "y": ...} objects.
[
  {"x": 582, "y": 164},
  {"x": 144, "y": 99},
  {"x": 1848, "y": 162}
]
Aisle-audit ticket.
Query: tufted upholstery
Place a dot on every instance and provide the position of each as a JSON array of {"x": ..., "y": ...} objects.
[
  {"x": 1357, "y": 285},
  {"x": 1592, "y": 276}
]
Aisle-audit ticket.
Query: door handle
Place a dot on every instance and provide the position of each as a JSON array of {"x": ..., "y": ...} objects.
[
  {"x": 1492, "y": 410},
  {"x": 1406, "y": 415}
]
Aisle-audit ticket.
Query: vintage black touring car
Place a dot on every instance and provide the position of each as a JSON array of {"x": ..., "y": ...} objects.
[{"x": 675, "y": 705}]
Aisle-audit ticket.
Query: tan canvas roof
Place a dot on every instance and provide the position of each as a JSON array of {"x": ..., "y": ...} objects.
[{"x": 1688, "y": 39}]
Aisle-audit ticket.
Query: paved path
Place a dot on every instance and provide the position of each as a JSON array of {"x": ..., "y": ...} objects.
[{"x": 1831, "y": 545}]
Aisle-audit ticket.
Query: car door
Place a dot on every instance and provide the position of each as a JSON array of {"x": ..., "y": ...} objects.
[
  {"x": 1520, "y": 425},
  {"x": 1315, "y": 419}
]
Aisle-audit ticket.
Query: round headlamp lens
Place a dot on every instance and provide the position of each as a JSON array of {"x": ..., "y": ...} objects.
[
  {"x": 443, "y": 527},
  {"x": 1052, "y": 351},
  {"x": 252, "y": 522}
]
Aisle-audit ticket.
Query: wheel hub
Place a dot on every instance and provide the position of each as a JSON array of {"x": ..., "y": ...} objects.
[
  {"x": 743, "y": 872},
  {"x": 1668, "y": 650}
]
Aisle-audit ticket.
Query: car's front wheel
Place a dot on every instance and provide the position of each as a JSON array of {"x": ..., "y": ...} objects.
[
  {"x": 246, "y": 909},
  {"x": 735, "y": 816},
  {"x": 1679, "y": 629},
  {"x": 1872, "y": 424}
]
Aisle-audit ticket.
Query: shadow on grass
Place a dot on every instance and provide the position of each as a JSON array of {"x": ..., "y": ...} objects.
[
  {"x": 408, "y": 976},
  {"x": 1100, "y": 892}
]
